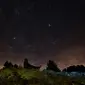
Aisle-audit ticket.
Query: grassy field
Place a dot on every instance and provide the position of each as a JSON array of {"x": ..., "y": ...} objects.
[{"x": 35, "y": 77}]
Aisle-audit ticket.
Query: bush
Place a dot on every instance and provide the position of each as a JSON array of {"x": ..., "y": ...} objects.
[{"x": 35, "y": 77}]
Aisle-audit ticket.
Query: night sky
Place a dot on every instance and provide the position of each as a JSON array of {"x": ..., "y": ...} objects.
[{"x": 41, "y": 30}]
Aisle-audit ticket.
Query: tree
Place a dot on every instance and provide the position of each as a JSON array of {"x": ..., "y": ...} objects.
[
  {"x": 73, "y": 68},
  {"x": 80, "y": 68},
  {"x": 8, "y": 64},
  {"x": 28, "y": 65},
  {"x": 64, "y": 70},
  {"x": 25, "y": 63},
  {"x": 15, "y": 66},
  {"x": 51, "y": 65}
]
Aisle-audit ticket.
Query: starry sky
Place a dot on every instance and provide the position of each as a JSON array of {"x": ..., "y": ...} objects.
[{"x": 41, "y": 30}]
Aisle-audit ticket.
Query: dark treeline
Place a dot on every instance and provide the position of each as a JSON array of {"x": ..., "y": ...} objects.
[
  {"x": 51, "y": 65},
  {"x": 26, "y": 65},
  {"x": 77, "y": 68}
]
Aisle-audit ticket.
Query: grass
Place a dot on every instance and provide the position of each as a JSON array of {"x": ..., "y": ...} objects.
[{"x": 36, "y": 77}]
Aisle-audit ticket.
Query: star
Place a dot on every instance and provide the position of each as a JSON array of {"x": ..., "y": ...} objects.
[
  {"x": 49, "y": 25},
  {"x": 14, "y": 38}
]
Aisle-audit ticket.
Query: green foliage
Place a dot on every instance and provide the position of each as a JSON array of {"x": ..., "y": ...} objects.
[
  {"x": 17, "y": 75},
  {"x": 5, "y": 72},
  {"x": 31, "y": 73},
  {"x": 21, "y": 76}
]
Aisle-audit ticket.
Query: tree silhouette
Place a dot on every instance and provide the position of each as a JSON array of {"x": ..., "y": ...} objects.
[
  {"x": 64, "y": 70},
  {"x": 8, "y": 64},
  {"x": 71, "y": 68},
  {"x": 51, "y": 65},
  {"x": 15, "y": 66},
  {"x": 28, "y": 65},
  {"x": 25, "y": 63},
  {"x": 78, "y": 68}
]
